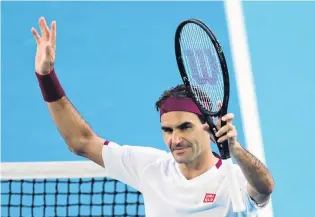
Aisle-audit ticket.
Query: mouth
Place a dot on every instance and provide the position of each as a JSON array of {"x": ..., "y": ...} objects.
[{"x": 181, "y": 150}]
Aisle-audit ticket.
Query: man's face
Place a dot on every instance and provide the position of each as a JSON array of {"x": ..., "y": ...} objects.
[{"x": 184, "y": 135}]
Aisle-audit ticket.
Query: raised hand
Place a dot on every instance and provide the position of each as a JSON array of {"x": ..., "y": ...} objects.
[
  {"x": 227, "y": 132},
  {"x": 46, "y": 47}
]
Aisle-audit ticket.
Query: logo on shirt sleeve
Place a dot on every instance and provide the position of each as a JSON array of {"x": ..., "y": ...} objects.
[{"x": 209, "y": 198}]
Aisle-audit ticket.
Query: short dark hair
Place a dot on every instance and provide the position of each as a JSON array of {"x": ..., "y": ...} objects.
[{"x": 179, "y": 91}]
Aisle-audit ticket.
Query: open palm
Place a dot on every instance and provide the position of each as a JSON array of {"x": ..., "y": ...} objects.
[{"x": 46, "y": 47}]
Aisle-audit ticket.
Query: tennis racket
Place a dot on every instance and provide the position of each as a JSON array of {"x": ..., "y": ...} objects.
[{"x": 204, "y": 71}]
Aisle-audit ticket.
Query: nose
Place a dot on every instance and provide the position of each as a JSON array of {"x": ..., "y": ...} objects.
[{"x": 175, "y": 139}]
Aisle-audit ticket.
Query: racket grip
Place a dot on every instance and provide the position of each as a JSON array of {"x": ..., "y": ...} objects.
[
  {"x": 224, "y": 150},
  {"x": 235, "y": 191},
  {"x": 224, "y": 147}
]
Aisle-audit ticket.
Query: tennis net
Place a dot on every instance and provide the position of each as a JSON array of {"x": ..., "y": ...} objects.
[{"x": 70, "y": 189}]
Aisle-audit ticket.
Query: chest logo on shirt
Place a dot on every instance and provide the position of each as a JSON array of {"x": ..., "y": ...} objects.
[{"x": 209, "y": 198}]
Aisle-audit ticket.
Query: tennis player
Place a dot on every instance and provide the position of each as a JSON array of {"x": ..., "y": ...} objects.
[{"x": 189, "y": 180}]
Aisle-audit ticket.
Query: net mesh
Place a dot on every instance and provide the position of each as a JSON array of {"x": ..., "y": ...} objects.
[
  {"x": 71, "y": 197},
  {"x": 202, "y": 66}
]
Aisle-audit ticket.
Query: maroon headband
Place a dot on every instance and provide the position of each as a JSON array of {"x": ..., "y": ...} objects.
[{"x": 179, "y": 104}]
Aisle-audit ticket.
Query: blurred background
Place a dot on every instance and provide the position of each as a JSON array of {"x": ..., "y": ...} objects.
[{"x": 114, "y": 59}]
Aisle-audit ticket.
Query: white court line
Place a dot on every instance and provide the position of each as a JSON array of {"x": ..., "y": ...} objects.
[{"x": 245, "y": 85}]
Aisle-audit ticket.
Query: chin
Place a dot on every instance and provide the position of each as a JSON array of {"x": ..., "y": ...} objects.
[{"x": 182, "y": 159}]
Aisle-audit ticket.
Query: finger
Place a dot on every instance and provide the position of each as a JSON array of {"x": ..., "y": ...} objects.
[
  {"x": 224, "y": 129},
  {"x": 230, "y": 134},
  {"x": 53, "y": 33},
  {"x": 36, "y": 35},
  {"x": 44, "y": 28},
  {"x": 222, "y": 139},
  {"x": 228, "y": 117}
]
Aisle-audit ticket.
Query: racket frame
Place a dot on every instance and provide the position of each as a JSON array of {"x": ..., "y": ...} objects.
[
  {"x": 223, "y": 147},
  {"x": 235, "y": 191}
]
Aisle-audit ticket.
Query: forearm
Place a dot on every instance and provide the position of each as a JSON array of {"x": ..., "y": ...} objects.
[
  {"x": 77, "y": 134},
  {"x": 254, "y": 170},
  {"x": 75, "y": 131}
]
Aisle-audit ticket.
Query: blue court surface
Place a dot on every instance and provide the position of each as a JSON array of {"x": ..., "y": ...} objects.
[{"x": 114, "y": 59}]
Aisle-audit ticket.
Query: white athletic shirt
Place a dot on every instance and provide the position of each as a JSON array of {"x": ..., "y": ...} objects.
[{"x": 166, "y": 192}]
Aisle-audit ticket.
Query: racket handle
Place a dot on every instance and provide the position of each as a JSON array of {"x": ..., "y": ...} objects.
[
  {"x": 224, "y": 150},
  {"x": 235, "y": 191},
  {"x": 224, "y": 147}
]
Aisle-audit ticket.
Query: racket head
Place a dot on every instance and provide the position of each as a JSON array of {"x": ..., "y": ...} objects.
[
  {"x": 208, "y": 38},
  {"x": 203, "y": 69}
]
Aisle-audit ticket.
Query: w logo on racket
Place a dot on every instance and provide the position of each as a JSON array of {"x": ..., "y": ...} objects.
[{"x": 203, "y": 65}]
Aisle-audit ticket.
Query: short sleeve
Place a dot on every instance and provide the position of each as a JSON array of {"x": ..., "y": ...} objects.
[
  {"x": 126, "y": 163},
  {"x": 250, "y": 204}
]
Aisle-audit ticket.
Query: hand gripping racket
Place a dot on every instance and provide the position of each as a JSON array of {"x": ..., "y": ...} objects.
[{"x": 204, "y": 71}]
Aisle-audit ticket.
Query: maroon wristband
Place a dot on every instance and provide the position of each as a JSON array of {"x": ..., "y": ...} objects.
[{"x": 50, "y": 86}]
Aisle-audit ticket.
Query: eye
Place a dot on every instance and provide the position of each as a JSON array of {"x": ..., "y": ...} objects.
[
  {"x": 185, "y": 126},
  {"x": 167, "y": 130}
]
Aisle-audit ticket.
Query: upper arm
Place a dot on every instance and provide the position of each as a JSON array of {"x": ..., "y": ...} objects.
[
  {"x": 126, "y": 163},
  {"x": 92, "y": 149},
  {"x": 123, "y": 163}
]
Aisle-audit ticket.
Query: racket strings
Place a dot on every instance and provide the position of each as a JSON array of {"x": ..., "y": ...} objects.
[
  {"x": 210, "y": 53},
  {"x": 203, "y": 66},
  {"x": 209, "y": 63}
]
